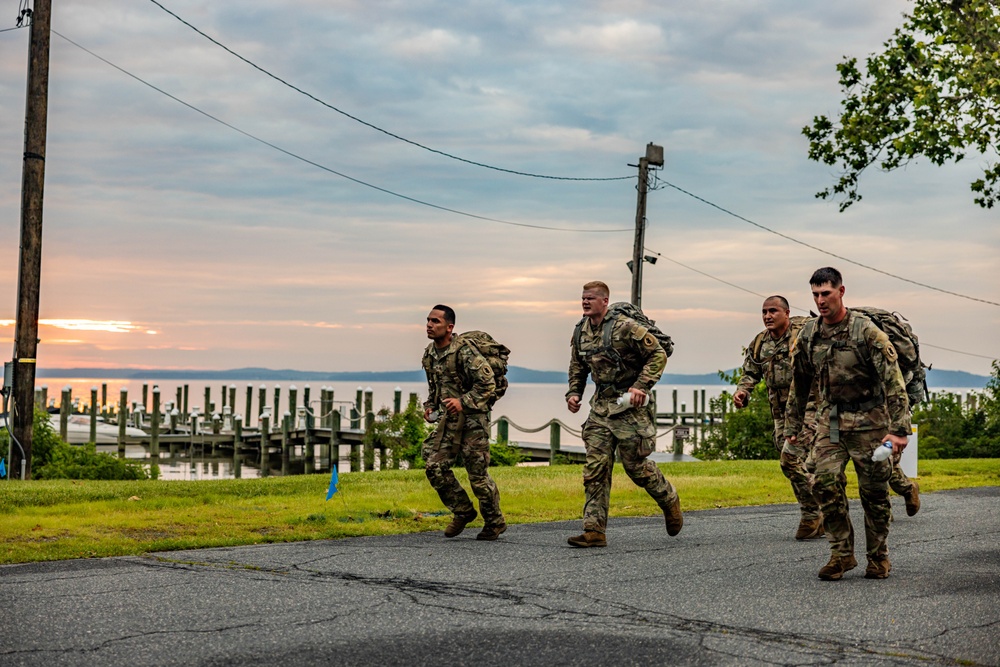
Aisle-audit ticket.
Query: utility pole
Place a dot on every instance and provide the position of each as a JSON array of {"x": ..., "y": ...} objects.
[
  {"x": 653, "y": 157},
  {"x": 30, "y": 265}
]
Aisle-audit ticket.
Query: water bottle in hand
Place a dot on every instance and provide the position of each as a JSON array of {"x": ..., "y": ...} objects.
[
  {"x": 625, "y": 400},
  {"x": 882, "y": 452}
]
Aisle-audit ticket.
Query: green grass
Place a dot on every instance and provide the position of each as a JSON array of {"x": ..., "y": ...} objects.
[{"x": 61, "y": 519}]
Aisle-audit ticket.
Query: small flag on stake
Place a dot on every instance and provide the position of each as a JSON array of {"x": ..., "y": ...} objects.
[
  {"x": 3, "y": 469},
  {"x": 333, "y": 483}
]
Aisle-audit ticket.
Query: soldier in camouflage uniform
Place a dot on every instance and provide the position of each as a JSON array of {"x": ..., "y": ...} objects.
[
  {"x": 768, "y": 358},
  {"x": 632, "y": 366},
  {"x": 861, "y": 403},
  {"x": 460, "y": 393}
]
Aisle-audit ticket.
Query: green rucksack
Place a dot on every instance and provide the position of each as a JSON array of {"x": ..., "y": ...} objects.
[
  {"x": 633, "y": 312},
  {"x": 901, "y": 335},
  {"x": 495, "y": 354}
]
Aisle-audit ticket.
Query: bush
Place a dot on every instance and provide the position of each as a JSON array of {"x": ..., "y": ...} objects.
[
  {"x": 53, "y": 458},
  {"x": 402, "y": 433},
  {"x": 505, "y": 454},
  {"x": 743, "y": 434},
  {"x": 952, "y": 429}
]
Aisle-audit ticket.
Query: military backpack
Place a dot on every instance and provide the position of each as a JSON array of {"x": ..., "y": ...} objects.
[
  {"x": 901, "y": 335},
  {"x": 626, "y": 309},
  {"x": 494, "y": 352}
]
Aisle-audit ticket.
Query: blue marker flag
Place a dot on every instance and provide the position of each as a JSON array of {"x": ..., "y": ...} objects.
[
  {"x": 333, "y": 483},
  {"x": 3, "y": 469}
]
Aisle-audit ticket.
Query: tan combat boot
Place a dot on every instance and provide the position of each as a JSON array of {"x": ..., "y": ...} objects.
[
  {"x": 458, "y": 524},
  {"x": 674, "y": 518},
  {"x": 491, "y": 532},
  {"x": 590, "y": 538},
  {"x": 838, "y": 565},
  {"x": 912, "y": 500},
  {"x": 810, "y": 529},
  {"x": 878, "y": 568}
]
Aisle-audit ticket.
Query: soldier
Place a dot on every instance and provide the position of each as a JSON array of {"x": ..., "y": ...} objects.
[
  {"x": 861, "y": 403},
  {"x": 460, "y": 392},
  {"x": 632, "y": 364},
  {"x": 768, "y": 358}
]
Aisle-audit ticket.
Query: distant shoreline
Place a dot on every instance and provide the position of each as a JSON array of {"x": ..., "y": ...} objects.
[{"x": 935, "y": 378}]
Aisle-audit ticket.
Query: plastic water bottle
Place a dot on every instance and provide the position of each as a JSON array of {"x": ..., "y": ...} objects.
[
  {"x": 625, "y": 400},
  {"x": 882, "y": 452}
]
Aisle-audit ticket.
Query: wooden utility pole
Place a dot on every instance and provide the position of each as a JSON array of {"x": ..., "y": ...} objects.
[
  {"x": 30, "y": 264},
  {"x": 653, "y": 157}
]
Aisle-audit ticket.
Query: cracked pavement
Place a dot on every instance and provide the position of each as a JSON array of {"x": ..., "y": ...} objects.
[{"x": 733, "y": 588}]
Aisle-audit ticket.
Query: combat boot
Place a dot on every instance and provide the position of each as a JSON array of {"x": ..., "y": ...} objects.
[
  {"x": 674, "y": 518},
  {"x": 810, "y": 529},
  {"x": 458, "y": 524},
  {"x": 838, "y": 565},
  {"x": 878, "y": 568},
  {"x": 491, "y": 532},
  {"x": 912, "y": 499},
  {"x": 590, "y": 538}
]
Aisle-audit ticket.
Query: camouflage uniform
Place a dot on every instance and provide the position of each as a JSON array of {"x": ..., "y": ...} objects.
[
  {"x": 632, "y": 431},
  {"x": 460, "y": 371},
  {"x": 774, "y": 365},
  {"x": 860, "y": 398}
]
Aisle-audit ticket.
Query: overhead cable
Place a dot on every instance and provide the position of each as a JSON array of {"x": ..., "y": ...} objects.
[
  {"x": 376, "y": 127},
  {"x": 826, "y": 252},
  {"x": 805, "y": 310},
  {"x": 328, "y": 169}
]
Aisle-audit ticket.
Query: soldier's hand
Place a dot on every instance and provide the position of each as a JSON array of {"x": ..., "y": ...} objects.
[
  {"x": 899, "y": 443},
  {"x": 453, "y": 405},
  {"x": 573, "y": 403},
  {"x": 791, "y": 440},
  {"x": 638, "y": 397},
  {"x": 740, "y": 398}
]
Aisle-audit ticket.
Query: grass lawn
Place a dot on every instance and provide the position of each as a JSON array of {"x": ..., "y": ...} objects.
[{"x": 61, "y": 519}]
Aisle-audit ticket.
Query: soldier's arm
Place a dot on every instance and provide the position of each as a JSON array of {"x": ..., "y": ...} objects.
[
  {"x": 885, "y": 360},
  {"x": 432, "y": 392},
  {"x": 751, "y": 372},
  {"x": 578, "y": 371},
  {"x": 800, "y": 389},
  {"x": 480, "y": 376},
  {"x": 652, "y": 354}
]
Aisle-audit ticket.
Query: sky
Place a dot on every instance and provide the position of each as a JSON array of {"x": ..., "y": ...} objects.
[{"x": 171, "y": 240}]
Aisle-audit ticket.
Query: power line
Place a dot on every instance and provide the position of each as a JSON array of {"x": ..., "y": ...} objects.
[
  {"x": 827, "y": 252},
  {"x": 375, "y": 127},
  {"x": 805, "y": 310},
  {"x": 328, "y": 169}
]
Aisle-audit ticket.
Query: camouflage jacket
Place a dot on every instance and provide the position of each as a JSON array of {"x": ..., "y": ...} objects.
[
  {"x": 640, "y": 362},
  {"x": 854, "y": 367},
  {"x": 458, "y": 371},
  {"x": 774, "y": 366}
]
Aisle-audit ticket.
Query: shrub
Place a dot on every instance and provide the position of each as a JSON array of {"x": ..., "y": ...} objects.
[{"x": 743, "y": 434}]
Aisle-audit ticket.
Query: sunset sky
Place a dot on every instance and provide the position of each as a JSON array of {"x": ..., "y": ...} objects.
[{"x": 174, "y": 241}]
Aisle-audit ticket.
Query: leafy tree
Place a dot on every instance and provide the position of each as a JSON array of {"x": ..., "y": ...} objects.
[
  {"x": 933, "y": 92},
  {"x": 743, "y": 434},
  {"x": 950, "y": 429}
]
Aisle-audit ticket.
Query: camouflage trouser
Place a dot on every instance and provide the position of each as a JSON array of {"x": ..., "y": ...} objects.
[
  {"x": 601, "y": 441},
  {"x": 899, "y": 482},
  {"x": 793, "y": 466},
  {"x": 829, "y": 489},
  {"x": 468, "y": 434}
]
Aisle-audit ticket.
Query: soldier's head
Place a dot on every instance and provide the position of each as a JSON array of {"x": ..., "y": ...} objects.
[
  {"x": 828, "y": 294},
  {"x": 775, "y": 315},
  {"x": 440, "y": 324},
  {"x": 595, "y": 300}
]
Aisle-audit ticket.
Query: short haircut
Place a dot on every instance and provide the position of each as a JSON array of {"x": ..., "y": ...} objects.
[
  {"x": 827, "y": 274},
  {"x": 449, "y": 313},
  {"x": 780, "y": 299},
  {"x": 598, "y": 286}
]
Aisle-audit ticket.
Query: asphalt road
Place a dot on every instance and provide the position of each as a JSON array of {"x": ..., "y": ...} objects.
[{"x": 733, "y": 588}]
